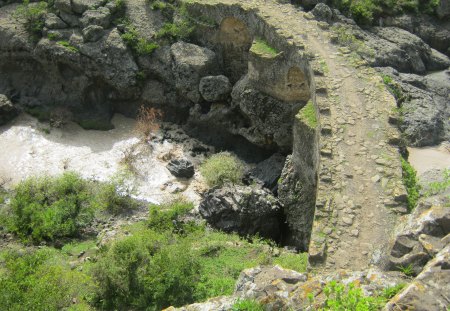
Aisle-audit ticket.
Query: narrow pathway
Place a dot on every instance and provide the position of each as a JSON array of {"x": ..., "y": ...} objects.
[{"x": 360, "y": 193}]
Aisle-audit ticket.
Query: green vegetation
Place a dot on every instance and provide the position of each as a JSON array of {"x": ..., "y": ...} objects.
[
  {"x": 367, "y": 11},
  {"x": 308, "y": 115},
  {"x": 179, "y": 30},
  {"x": 411, "y": 183},
  {"x": 222, "y": 167},
  {"x": 350, "y": 297},
  {"x": 42, "y": 280},
  {"x": 407, "y": 270},
  {"x": 439, "y": 186},
  {"x": 33, "y": 15},
  {"x": 139, "y": 45},
  {"x": 247, "y": 305},
  {"x": 51, "y": 208},
  {"x": 261, "y": 47},
  {"x": 394, "y": 88},
  {"x": 348, "y": 40},
  {"x": 68, "y": 46}
]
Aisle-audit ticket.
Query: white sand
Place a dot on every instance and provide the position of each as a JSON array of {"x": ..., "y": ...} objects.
[
  {"x": 26, "y": 150},
  {"x": 427, "y": 158}
]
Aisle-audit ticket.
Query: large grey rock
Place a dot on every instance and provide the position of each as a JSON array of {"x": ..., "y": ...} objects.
[
  {"x": 421, "y": 239},
  {"x": 181, "y": 168},
  {"x": 99, "y": 17},
  {"x": 70, "y": 19},
  {"x": 322, "y": 12},
  {"x": 79, "y": 6},
  {"x": 443, "y": 9},
  {"x": 54, "y": 22},
  {"x": 7, "y": 110},
  {"x": 270, "y": 118},
  {"x": 429, "y": 290},
  {"x": 215, "y": 88},
  {"x": 92, "y": 33},
  {"x": 269, "y": 171},
  {"x": 190, "y": 63},
  {"x": 63, "y": 5},
  {"x": 247, "y": 210},
  {"x": 425, "y": 109}
]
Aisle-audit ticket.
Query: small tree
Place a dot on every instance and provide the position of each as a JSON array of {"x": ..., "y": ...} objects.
[{"x": 147, "y": 121}]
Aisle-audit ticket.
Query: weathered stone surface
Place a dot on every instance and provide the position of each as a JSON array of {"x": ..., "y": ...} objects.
[
  {"x": 54, "y": 22},
  {"x": 7, "y": 110},
  {"x": 79, "y": 6},
  {"x": 69, "y": 18},
  {"x": 443, "y": 9},
  {"x": 322, "y": 12},
  {"x": 247, "y": 210},
  {"x": 269, "y": 171},
  {"x": 99, "y": 17},
  {"x": 190, "y": 63},
  {"x": 429, "y": 290},
  {"x": 63, "y": 5},
  {"x": 181, "y": 168},
  {"x": 270, "y": 119},
  {"x": 92, "y": 33},
  {"x": 215, "y": 88}
]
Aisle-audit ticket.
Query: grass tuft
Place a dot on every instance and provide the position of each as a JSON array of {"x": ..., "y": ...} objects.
[
  {"x": 308, "y": 115},
  {"x": 262, "y": 47}
]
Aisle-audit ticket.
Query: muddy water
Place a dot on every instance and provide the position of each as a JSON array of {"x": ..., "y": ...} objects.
[
  {"x": 28, "y": 148},
  {"x": 428, "y": 158}
]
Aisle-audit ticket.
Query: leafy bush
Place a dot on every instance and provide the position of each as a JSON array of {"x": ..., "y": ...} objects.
[
  {"x": 39, "y": 280},
  {"x": 247, "y": 305},
  {"x": 49, "y": 208},
  {"x": 222, "y": 167},
  {"x": 341, "y": 297},
  {"x": 179, "y": 30},
  {"x": 164, "y": 217},
  {"x": 33, "y": 15},
  {"x": 411, "y": 183},
  {"x": 139, "y": 45}
]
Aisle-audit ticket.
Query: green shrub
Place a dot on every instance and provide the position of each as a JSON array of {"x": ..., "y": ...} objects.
[
  {"x": 39, "y": 280},
  {"x": 164, "y": 217},
  {"x": 179, "y": 30},
  {"x": 247, "y": 305},
  {"x": 261, "y": 46},
  {"x": 33, "y": 15},
  {"x": 222, "y": 167},
  {"x": 411, "y": 183},
  {"x": 139, "y": 45},
  {"x": 146, "y": 271},
  {"x": 297, "y": 262},
  {"x": 49, "y": 208},
  {"x": 363, "y": 11},
  {"x": 342, "y": 297},
  {"x": 308, "y": 115},
  {"x": 68, "y": 46},
  {"x": 107, "y": 198}
]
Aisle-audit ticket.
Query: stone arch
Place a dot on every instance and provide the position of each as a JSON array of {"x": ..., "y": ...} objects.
[{"x": 235, "y": 41}]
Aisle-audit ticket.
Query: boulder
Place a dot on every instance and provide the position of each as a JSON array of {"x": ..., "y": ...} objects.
[
  {"x": 99, "y": 17},
  {"x": 215, "y": 88},
  {"x": 247, "y": 210},
  {"x": 63, "y": 5},
  {"x": 80, "y": 6},
  {"x": 54, "y": 22},
  {"x": 181, "y": 168},
  {"x": 7, "y": 110},
  {"x": 429, "y": 290},
  {"x": 269, "y": 171},
  {"x": 322, "y": 12},
  {"x": 270, "y": 119},
  {"x": 92, "y": 33},
  {"x": 190, "y": 63},
  {"x": 69, "y": 19}
]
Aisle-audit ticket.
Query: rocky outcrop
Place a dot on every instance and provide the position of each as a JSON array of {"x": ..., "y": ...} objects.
[
  {"x": 429, "y": 290},
  {"x": 424, "y": 106},
  {"x": 215, "y": 88},
  {"x": 7, "y": 110},
  {"x": 190, "y": 64},
  {"x": 182, "y": 168},
  {"x": 268, "y": 172},
  {"x": 247, "y": 210}
]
